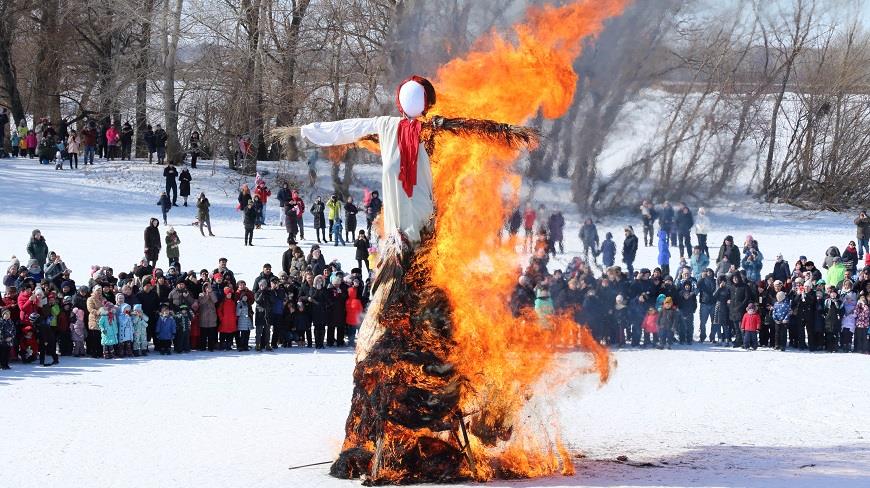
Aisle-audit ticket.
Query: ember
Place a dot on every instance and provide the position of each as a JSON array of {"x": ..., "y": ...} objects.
[{"x": 440, "y": 386}]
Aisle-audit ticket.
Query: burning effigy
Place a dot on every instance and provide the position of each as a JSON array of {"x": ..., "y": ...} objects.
[{"x": 444, "y": 370}]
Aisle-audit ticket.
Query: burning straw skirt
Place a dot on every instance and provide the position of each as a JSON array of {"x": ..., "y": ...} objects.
[{"x": 405, "y": 407}]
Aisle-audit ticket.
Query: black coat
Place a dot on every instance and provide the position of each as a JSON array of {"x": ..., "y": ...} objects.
[
  {"x": 184, "y": 186},
  {"x": 319, "y": 218},
  {"x": 152, "y": 242},
  {"x": 629, "y": 249},
  {"x": 160, "y": 139},
  {"x": 250, "y": 216},
  {"x": 684, "y": 221},
  {"x": 319, "y": 306},
  {"x": 350, "y": 211},
  {"x": 739, "y": 298},
  {"x": 362, "y": 248},
  {"x": 373, "y": 208},
  {"x": 733, "y": 254}
]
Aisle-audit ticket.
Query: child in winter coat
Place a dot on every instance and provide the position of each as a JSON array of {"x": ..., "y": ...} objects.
[
  {"x": 165, "y": 205},
  {"x": 848, "y": 331},
  {"x": 750, "y": 324},
  {"x": 183, "y": 318},
  {"x": 664, "y": 257},
  {"x": 243, "y": 323},
  {"x": 337, "y": 232},
  {"x": 362, "y": 250},
  {"x": 227, "y": 320},
  {"x": 543, "y": 305},
  {"x": 172, "y": 251},
  {"x": 353, "y": 312},
  {"x": 833, "y": 313},
  {"x": 719, "y": 321},
  {"x": 781, "y": 314},
  {"x": 28, "y": 346},
  {"x": 15, "y": 143},
  {"x": 108, "y": 325},
  {"x": 125, "y": 331},
  {"x": 7, "y": 333},
  {"x": 79, "y": 332},
  {"x": 650, "y": 327},
  {"x": 667, "y": 323},
  {"x": 687, "y": 303},
  {"x": 165, "y": 331},
  {"x": 31, "y": 144},
  {"x": 862, "y": 322},
  {"x": 621, "y": 323},
  {"x": 140, "y": 331},
  {"x": 608, "y": 250}
]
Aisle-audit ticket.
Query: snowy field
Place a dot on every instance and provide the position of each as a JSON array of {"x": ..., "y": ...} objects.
[{"x": 705, "y": 416}]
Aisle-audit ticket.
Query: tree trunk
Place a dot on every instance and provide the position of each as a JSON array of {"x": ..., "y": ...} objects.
[
  {"x": 7, "y": 69},
  {"x": 172, "y": 30},
  {"x": 46, "y": 92},
  {"x": 142, "y": 68},
  {"x": 771, "y": 143}
]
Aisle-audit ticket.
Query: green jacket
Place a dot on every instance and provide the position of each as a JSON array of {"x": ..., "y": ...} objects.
[
  {"x": 172, "y": 242},
  {"x": 836, "y": 274},
  {"x": 333, "y": 208}
]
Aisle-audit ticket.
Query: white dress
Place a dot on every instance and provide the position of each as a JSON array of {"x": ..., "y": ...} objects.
[{"x": 410, "y": 215}]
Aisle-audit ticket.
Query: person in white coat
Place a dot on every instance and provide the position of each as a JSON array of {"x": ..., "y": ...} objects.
[{"x": 702, "y": 227}]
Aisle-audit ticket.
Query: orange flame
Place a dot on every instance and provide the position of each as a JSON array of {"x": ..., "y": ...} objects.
[{"x": 504, "y": 357}]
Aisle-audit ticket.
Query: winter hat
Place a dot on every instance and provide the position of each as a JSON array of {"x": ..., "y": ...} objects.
[
  {"x": 780, "y": 296},
  {"x": 119, "y": 297},
  {"x": 751, "y": 307},
  {"x": 33, "y": 317},
  {"x": 125, "y": 308},
  {"x": 608, "y": 236},
  {"x": 228, "y": 290},
  {"x": 777, "y": 282},
  {"x": 171, "y": 230},
  {"x": 137, "y": 307},
  {"x": 52, "y": 294},
  {"x": 67, "y": 300}
]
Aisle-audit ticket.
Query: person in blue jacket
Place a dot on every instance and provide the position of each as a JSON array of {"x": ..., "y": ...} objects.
[
  {"x": 664, "y": 257},
  {"x": 165, "y": 331}
]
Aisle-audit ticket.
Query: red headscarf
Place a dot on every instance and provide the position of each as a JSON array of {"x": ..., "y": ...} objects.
[{"x": 409, "y": 136}]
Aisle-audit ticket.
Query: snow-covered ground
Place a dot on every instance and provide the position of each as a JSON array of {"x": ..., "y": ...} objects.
[{"x": 704, "y": 416}]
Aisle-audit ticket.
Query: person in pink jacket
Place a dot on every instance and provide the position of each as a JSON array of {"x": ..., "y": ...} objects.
[
  {"x": 31, "y": 144},
  {"x": 112, "y": 138}
]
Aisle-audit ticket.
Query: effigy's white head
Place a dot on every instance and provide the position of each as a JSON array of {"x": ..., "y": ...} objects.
[
  {"x": 415, "y": 96},
  {"x": 412, "y": 99}
]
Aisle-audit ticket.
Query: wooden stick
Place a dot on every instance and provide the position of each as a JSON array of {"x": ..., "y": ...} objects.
[
  {"x": 309, "y": 465},
  {"x": 467, "y": 447},
  {"x": 379, "y": 453}
]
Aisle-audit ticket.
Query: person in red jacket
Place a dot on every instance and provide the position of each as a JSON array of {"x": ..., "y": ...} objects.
[
  {"x": 227, "y": 325},
  {"x": 28, "y": 347},
  {"x": 27, "y": 304},
  {"x": 529, "y": 217},
  {"x": 263, "y": 192},
  {"x": 353, "y": 314},
  {"x": 750, "y": 325},
  {"x": 296, "y": 200}
]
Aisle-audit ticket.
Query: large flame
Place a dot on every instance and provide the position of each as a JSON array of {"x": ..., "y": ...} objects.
[{"x": 504, "y": 358}]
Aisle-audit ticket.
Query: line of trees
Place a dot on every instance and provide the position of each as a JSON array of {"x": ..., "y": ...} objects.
[{"x": 767, "y": 97}]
